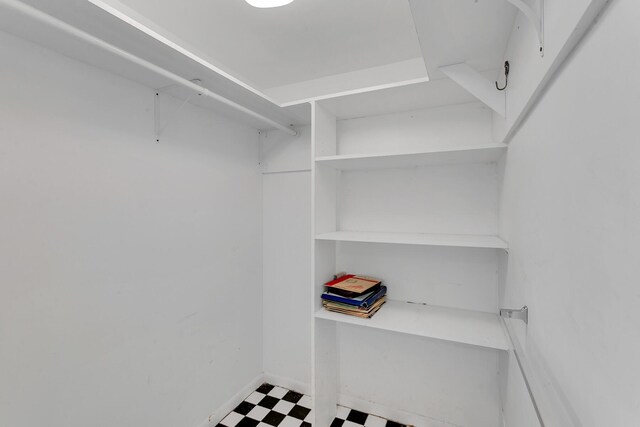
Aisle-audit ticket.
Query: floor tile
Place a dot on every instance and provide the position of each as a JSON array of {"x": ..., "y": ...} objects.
[
  {"x": 273, "y": 406},
  {"x": 232, "y": 419},
  {"x": 248, "y": 422},
  {"x": 305, "y": 401},
  {"x": 342, "y": 412},
  {"x": 373, "y": 421},
  {"x": 273, "y": 418},
  {"x": 283, "y": 407},
  {"x": 292, "y": 396},
  {"x": 244, "y": 408},
  {"x": 268, "y": 402},
  {"x": 255, "y": 397},
  {"x": 357, "y": 417},
  {"x": 265, "y": 388},
  {"x": 278, "y": 392},
  {"x": 290, "y": 422},
  {"x": 258, "y": 413},
  {"x": 299, "y": 412}
]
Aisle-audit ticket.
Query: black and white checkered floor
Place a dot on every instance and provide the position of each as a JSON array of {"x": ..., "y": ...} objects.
[{"x": 271, "y": 406}]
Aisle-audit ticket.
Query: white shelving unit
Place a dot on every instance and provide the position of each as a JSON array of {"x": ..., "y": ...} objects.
[
  {"x": 454, "y": 240},
  {"x": 437, "y": 156},
  {"x": 457, "y": 343},
  {"x": 443, "y": 323}
]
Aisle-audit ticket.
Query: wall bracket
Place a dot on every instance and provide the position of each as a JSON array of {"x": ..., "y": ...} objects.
[
  {"x": 535, "y": 17},
  {"x": 160, "y": 122},
  {"x": 511, "y": 313}
]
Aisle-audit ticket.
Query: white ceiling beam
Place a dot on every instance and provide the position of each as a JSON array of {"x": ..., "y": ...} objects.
[{"x": 477, "y": 85}]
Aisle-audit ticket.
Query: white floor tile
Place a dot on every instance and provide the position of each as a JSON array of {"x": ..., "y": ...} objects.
[
  {"x": 232, "y": 419},
  {"x": 283, "y": 407},
  {"x": 290, "y": 422},
  {"x": 278, "y": 392},
  {"x": 255, "y": 397},
  {"x": 373, "y": 421},
  {"x": 309, "y": 417},
  {"x": 258, "y": 413},
  {"x": 305, "y": 401},
  {"x": 342, "y": 412}
]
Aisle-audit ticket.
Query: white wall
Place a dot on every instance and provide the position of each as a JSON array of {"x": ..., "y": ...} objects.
[
  {"x": 286, "y": 183},
  {"x": 130, "y": 270},
  {"x": 571, "y": 213}
]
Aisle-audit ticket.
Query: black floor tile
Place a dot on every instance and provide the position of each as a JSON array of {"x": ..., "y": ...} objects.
[
  {"x": 268, "y": 402},
  {"x": 299, "y": 412},
  {"x": 265, "y": 388},
  {"x": 273, "y": 418},
  {"x": 247, "y": 422},
  {"x": 357, "y": 417},
  {"x": 292, "y": 396},
  {"x": 244, "y": 408}
]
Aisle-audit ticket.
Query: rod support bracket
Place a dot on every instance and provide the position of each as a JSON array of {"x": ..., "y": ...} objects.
[
  {"x": 513, "y": 313},
  {"x": 535, "y": 17}
]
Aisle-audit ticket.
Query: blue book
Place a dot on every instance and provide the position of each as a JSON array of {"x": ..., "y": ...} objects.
[{"x": 363, "y": 301}]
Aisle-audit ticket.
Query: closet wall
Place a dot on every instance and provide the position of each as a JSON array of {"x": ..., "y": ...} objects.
[
  {"x": 286, "y": 181},
  {"x": 571, "y": 215},
  {"x": 131, "y": 271}
]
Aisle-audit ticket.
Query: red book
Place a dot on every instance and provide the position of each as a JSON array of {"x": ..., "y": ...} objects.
[{"x": 351, "y": 285}]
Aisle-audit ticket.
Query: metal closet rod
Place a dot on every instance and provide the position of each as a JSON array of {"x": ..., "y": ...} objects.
[{"x": 69, "y": 29}]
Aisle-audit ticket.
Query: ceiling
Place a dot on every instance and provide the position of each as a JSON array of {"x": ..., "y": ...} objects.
[
  {"x": 265, "y": 59},
  {"x": 305, "y": 40}
]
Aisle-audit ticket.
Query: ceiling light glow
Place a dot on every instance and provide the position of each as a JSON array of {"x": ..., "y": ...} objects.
[{"x": 268, "y": 3}]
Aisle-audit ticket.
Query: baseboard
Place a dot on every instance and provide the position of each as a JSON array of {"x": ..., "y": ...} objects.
[
  {"x": 400, "y": 416},
  {"x": 287, "y": 383},
  {"x": 229, "y": 405}
]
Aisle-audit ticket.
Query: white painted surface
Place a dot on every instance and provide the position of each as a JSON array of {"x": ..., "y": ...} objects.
[
  {"x": 449, "y": 382},
  {"x": 382, "y": 367},
  {"x": 131, "y": 270},
  {"x": 517, "y": 406},
  {"x": 393, "y": 100},
  {"x": 18, "y": 18},
  {"x": 453, "y": 240},
  {"x": 302, "y": 41},
  {"x": 565, "y": 22},
  {"x": 476, "y": 84},
  {"x": 435, "y": 157},
  {"x": 451, "y": 32},
  {"x": 281, "y": 153},
  {"x": 452, "y": 277},
  {"x": 286, "y": 318},
  {"x": 450, "y": 199},
  {"x": 358, "y": 81},
  {"x": 573, "y": 225},
  {"x": 441, "y": 323},
  {"x": 449, "y": 126}
]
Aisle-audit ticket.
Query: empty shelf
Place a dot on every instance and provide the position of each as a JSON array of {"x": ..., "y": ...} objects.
[
  {"x": 458, "y": 240},
  {"x": 441, "y": 156},
  {"x": 448, "y": 324}
]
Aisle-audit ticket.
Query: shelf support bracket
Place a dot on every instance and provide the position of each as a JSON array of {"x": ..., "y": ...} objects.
[
  {"x": 158, "y": 125},
  {"x": 535, "y": 17},
  {"x": 477, "y": 85},
  {"x": 511, "y": 313}
]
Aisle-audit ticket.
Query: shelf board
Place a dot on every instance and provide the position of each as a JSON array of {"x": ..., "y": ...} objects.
[
  {"x": 448, "y": 324},
  {"x": 455, "y": 240},
  {"x": 439, "y": 156}
]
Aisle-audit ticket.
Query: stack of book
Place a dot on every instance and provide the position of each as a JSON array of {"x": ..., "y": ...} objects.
[{"x": 359, "y": 296}]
